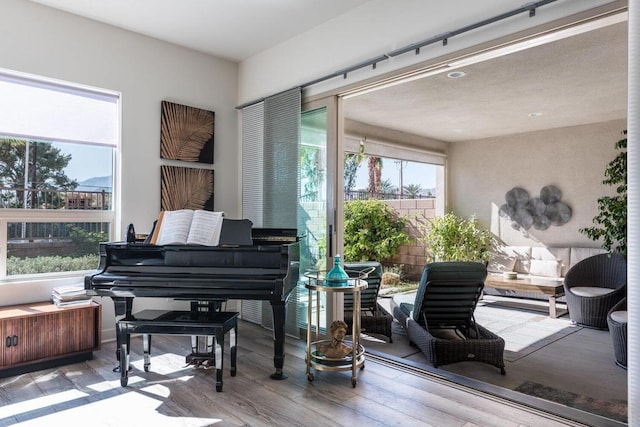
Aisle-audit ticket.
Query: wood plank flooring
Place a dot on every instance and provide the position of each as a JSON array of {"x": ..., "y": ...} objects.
[{"x": 89, "y": 393}]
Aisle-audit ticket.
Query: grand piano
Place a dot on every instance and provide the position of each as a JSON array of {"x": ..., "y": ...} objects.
[{"x": 264, "y": 266}]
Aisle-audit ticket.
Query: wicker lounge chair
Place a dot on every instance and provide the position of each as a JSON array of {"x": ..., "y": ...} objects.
[
  {"x": 440, "y": 322},
  {"x": 617, "y": 321},
  {"x": 374, "y": 320},
  {"x": 593, "y": 286}
]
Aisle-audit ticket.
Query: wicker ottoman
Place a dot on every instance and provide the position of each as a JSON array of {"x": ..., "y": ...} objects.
[{"x": 617, "y": 322}]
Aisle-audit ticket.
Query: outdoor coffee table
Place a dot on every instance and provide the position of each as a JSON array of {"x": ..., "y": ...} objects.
[{"x": 550, "y": 287}]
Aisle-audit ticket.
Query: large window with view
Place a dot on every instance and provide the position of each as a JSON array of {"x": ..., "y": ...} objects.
[{"x": 58, "y": 145}]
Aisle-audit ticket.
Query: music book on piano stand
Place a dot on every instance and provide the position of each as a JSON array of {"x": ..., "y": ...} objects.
[{"x": 186, "y": 226}]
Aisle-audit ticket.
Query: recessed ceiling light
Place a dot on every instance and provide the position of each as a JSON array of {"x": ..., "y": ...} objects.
[
  {"x": 456, "y": 74},
  {"x": 535, "y": 114}
]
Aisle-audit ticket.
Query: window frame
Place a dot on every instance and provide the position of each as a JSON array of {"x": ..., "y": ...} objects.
[{"x": 109, "y": 216}]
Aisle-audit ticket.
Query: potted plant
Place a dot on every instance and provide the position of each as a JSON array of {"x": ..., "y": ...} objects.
[
  {"x": 453, "y": 238},
  {"x": 611, "y": 221}
]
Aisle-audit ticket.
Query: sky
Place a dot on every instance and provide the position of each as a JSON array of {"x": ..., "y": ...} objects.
[
  {"x": 413, "y": 173},
  {"x": 87, "y": 161}
]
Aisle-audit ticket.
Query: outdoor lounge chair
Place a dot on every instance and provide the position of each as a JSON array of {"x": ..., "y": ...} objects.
[
  {"x": 374, "y": 320},
  {"x": 593, "y": 286},
  {"x": 440, "y": 322}
]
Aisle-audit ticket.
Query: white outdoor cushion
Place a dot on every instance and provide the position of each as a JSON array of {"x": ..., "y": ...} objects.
[
  {"x": 501, "y": 261},
  {"x": 619, "y": 316},
  {"x": 546, "y": 267},
  {"x": 523, "y": 258},
  {"x": 552, "y": 254},
  {"x": 578, "y": 254},
  {"x": 590, "y": 291}
]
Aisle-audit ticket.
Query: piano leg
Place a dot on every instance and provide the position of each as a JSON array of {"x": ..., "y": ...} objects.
[
  {"x": 233, "y": 348},
  {"x": 218, "y": 346},
  {"x": 122, "y": 307},
  {"x": 146, "y": 348},
  {"x": 279, "y": 317},
  {"x": 123, "y": 348}
]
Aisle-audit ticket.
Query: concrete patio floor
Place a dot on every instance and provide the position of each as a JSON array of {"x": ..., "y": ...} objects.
[{"x": 571, "y": 364}]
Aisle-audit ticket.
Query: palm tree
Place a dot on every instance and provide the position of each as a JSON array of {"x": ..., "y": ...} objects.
[
  {"x": 386, "y": 187},
  {"x": 351, "y": 163},
  {"x": 375, "y": 174},
  {"x": 412, "y": 190}
]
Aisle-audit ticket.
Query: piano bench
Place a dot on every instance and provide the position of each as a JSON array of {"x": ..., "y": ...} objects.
[{"x": 214, "y": 325}]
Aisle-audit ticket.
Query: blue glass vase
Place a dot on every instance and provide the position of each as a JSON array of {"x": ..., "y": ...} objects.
[{"x": 337, "y": 276}]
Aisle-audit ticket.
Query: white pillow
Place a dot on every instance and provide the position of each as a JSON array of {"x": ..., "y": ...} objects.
[
  {"x": 501, "y": 262},
  {"x": 545, "y": 267},
  {"x": 523, "y": 258}
]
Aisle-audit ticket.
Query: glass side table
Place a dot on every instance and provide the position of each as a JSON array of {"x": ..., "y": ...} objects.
[{"x": 317, "y": 283}]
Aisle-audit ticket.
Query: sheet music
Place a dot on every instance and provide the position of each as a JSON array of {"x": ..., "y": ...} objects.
[
  {"x": 174, "y": 227},
  {"x": 205, "y": 228}
]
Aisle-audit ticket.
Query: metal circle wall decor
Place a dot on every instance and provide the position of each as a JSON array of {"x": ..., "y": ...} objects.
[{"x": 537, "y": 212}]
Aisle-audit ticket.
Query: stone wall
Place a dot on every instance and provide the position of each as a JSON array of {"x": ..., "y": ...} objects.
[
  {"x": 413, "y": 256},
  {"x": 40, "y": 248}
]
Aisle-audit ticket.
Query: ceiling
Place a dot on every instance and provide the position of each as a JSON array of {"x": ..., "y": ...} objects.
[
  {"x": 573, "y": 81},
  {"x": 230, "y": 29}
]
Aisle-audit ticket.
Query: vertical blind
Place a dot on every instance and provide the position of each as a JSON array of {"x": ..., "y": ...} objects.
[
  {"x": 270, "y": 178},
  {"x": 281, "y": 159},
  {"x": 252, "y": 164}
]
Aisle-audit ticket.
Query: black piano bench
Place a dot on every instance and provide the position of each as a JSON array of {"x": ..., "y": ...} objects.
[{"x": 212, "y": 324}]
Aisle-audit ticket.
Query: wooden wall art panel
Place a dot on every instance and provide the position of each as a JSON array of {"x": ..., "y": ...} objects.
[
  {"x": 186, "y": 133},
  {"x": 186, "y": 188}
]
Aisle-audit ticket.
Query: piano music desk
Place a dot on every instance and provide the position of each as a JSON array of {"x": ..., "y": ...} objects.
[{"x": 195, "y": 323}]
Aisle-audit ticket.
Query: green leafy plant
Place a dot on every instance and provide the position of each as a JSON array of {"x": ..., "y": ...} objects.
[
  {"x": 50, "y": 264},
  {"x": 611, "y": 221},
  {"x": 453, "y": 238},
  {"x": 372, "y": 231},
  {"x": 87, "y": 242}
]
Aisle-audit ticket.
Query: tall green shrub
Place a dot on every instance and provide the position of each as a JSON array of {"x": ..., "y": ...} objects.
[
  {"x": 87, "y": 242},
  {"x": 611, "y": 221},
  {"x": 453, "y": 238},
  {"x": 372, "y": 231}
]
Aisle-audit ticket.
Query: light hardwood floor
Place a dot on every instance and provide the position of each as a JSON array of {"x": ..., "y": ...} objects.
[{"x": 89, "y": 393}]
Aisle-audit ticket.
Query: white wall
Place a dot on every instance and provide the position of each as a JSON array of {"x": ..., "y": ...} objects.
[
  {"x": 573, "y": 159},
  {"x": 39, "y": 40},
  {"x": 381, "y": 26}
]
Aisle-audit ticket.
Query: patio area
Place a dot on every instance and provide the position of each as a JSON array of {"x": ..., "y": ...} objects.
[{"x": 547, "y": 358}]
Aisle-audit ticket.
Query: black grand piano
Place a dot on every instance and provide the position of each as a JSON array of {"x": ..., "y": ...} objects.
[{"x": 264, "y": 266}]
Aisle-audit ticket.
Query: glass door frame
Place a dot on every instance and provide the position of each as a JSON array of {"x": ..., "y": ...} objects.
[{"x": 334, "y": 191}]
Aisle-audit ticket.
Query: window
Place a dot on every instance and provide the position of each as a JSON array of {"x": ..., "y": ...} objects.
[{"x": 58, "y": 145}]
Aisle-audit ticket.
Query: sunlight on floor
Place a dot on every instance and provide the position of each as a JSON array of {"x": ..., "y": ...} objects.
[
  {"x": 523, "y": 331},
  {"x": 40, "y": 402},
  {"x": 120, "y": 411},
  {"x": 108, "y": 404}
]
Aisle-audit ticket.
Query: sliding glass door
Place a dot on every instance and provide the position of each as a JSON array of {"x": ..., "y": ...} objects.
[{"x": 317, "y": 207}]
